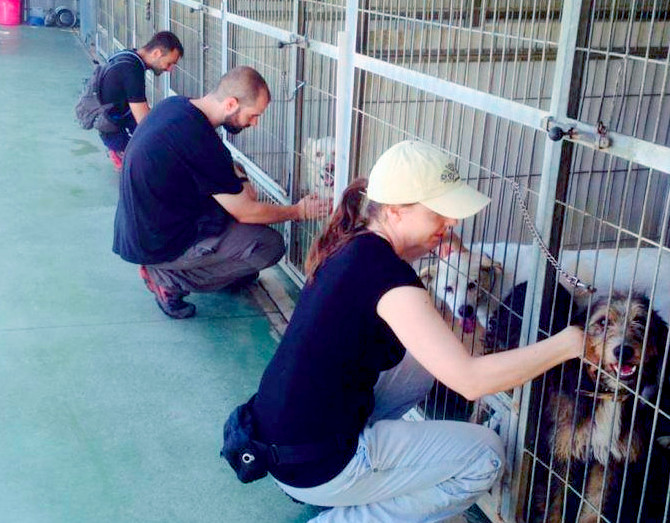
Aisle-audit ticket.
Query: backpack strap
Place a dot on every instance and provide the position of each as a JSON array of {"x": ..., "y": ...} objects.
[
  {"x": 118, "y": 59},
  {"x": 124, "y": 53}
]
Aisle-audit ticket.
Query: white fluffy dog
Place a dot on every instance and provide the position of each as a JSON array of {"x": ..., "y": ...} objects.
[
  {"x": 473, "y": 283},
  {"x": 318, "y": 166}
]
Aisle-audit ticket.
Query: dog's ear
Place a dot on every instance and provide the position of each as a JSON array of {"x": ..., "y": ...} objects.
[
  {"x": 427, "y": 274},
  {"x": 579, "y": 318},
  {"x": 486, "y": 261},
  {"x": 659, "y": 330},
  {"x": 491, "y": 264},
  {"x": 657, "y": 333},
  {"x": 489, "y": 274},
  {"x": 497, "y": 269}
]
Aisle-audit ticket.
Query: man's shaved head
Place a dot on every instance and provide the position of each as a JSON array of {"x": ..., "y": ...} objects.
[{"x": 243, "y": 83}]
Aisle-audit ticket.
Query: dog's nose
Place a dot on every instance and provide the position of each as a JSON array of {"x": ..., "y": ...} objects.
[
  {"x": 624, "y": 352},
  {"x": 465, "y": 311}
]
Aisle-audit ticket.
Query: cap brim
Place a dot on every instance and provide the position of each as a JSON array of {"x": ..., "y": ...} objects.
[{"x": 458, "y": 203}]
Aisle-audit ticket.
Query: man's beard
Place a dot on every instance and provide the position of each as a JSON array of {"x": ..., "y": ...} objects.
[
  {"x": 156, "y": 70},
  {"x": 232, "y": 128}
]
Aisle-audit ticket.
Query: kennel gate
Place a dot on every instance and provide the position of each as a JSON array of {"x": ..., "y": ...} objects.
[{"x": 484, "y": 80}]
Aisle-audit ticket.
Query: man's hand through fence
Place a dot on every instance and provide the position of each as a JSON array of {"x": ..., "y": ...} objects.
[{"x": 311, "y": 207}]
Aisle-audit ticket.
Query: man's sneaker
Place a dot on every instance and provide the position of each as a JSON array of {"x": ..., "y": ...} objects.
[
  {"x": 117, "y": 160},
  {"x": 170, "y": 302}
]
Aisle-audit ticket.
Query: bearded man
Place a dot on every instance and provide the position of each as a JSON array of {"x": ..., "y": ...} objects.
[
  {"x": 186, "y": 214},
  {"x": 123, "y": 85}
]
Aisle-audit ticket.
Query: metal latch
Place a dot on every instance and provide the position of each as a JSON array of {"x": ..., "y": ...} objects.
[
  {"x": 586, "y": 135},
  {"x": 294, "y": 39}
]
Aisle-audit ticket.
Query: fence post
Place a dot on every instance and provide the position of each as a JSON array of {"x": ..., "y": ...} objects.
[
  {"x": 346, "y": 46},
  {"x": 560, "y": 94}
]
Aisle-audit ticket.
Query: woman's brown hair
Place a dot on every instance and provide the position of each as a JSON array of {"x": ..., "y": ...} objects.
[{"x": 349, "y": 220}]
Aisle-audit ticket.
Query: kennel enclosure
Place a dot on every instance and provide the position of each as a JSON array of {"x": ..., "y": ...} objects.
[{"x": 558, "y": 111}]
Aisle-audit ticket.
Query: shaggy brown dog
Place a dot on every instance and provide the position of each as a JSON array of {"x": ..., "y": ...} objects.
[{"x": 598, "y": 424}]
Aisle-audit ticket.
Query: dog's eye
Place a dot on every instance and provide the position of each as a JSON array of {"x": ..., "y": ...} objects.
[
  {"x": 449, "y": 289},
  {"x": 472, "y": 286},
  {"x": 602, "y": 322}
]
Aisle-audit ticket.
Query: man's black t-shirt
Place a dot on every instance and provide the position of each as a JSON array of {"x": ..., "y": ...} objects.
[
  {"x": 123, "y": 82},
  {"x": 174, "y": 163},
  {"x": 320, "y": 382}
]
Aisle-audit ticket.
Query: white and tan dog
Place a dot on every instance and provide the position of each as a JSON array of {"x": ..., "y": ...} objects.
[
  {"x": 318, "y": 166},
  {"x": 473, "y": 283}
]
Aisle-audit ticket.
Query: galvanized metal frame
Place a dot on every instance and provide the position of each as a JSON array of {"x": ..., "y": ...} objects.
[{"x": 625, "y": 147}]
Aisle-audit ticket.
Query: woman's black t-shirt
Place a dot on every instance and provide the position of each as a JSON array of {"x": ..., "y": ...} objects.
[{"x": 320, "y": 381}]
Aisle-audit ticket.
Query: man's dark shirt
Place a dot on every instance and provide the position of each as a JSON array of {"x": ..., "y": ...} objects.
[
  {"x": 174, "y": 163},
  {"x": 123, "y": 82}
]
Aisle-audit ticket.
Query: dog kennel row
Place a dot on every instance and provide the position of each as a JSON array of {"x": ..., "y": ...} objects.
[
  {"x": 304, "y": 81},
  {"x": 476, "y": 79}
]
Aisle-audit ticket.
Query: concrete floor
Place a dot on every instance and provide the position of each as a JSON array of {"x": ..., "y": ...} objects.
[{"x": 109, "y": 410}]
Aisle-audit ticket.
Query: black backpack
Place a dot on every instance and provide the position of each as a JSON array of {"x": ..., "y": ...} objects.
[{"x": 90, "y": 112}]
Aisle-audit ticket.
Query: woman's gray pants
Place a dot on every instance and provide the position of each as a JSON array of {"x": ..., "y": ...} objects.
[{"x": 408, "y": 471}]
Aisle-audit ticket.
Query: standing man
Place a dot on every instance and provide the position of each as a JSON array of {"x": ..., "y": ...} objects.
[
  {"x": 184, "y": 214},
  {"x": 123, "y": 85}
]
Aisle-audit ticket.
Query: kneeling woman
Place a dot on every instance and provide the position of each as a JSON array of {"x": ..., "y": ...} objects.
[{"x": 365, "y": 343}]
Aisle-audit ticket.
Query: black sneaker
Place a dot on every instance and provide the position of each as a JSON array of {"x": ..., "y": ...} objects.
[
  {"x": 170, "y": 302},
  {"x": 176, "y": 307}
]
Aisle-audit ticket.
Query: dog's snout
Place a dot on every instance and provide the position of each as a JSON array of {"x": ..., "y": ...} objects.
[
  {"x": 624, "y": 352},
  {"x": 466, "y": 311}
]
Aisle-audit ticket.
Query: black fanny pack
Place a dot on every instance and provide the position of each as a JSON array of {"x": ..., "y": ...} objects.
[{"x": 250, "y": 458}]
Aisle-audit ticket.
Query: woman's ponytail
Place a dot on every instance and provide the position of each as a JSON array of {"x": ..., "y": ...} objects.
[{"x": 348, "y": 220}]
